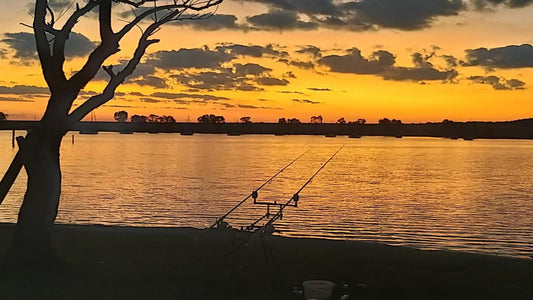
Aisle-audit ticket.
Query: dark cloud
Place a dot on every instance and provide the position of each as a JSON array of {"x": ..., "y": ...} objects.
[
  {"x": 315, "y": 7},
  {"x": 319, "y": 89},
  {"x": 291, "y": 92},
  {"x": 136, "y": 94},
  {"x": 250, "y": 69},
  {"x": 210, "y": 80},
  {"x": 213, "y": 22},
  {"x": 153, "y": 81},
  {"x": 355, "y": 63},
  {"x": 150, "y": 100},
  {"x": 312, "y": 50},
  {"x": 302, "y": 64},
  {"x": 451, "y": 61},
  {"x": 189, "y": 58},
  {"x": 512, "y": 56},
  {"x": 306, "y": 101},
  {"x": 252, "y": 50},
  {"x": 499, "y": 83},
  {"x": 280, "y": 20},
  {"x": 271, "y": 81},
  {"x": 382, "y": 63},
  {"x": 24, "y": 90},
  {"x": 405, "y": 14},
  {"x": 418, "y": 74},
  {"x": 356, "y": 15},
  {"x": 10, "y": 99},
  {"x": 173, "y": 96},
  {"x": 23, "y": 44},
  {"x": 484, "y": 4}
]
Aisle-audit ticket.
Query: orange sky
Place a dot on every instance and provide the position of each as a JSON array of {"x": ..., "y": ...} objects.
[{"x": 416, "y": 63}]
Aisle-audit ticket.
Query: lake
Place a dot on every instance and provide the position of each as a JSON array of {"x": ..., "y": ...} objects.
[{"x": 427, "y": 193}]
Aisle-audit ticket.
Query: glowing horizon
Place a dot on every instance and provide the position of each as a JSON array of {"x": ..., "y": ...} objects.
[{"x": 461, "y": 62}]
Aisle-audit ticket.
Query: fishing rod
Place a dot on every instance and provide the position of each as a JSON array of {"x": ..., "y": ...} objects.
[
  {"x": 253, "y": 194},
  {"x": 295, "y": 198},
  {"x": 267, "y": 228}
]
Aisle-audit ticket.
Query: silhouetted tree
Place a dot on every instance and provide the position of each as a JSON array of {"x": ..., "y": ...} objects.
[
  {"x": 282, "y": 121},
  {"x": 293, "y": 121},
  {"x": 316, "y": 119},
  {"x": 211, "y": 119},
  {"x": 341, "y": 121},
  {"x": 361, "y": 121},
  {"x": 384, "y": 121},
  {"x": 39, "y": 150},
  {"x": 138, "y": 119},
  {"x": 3, "y": 116},
  {"x": 121, "y": 116},
  {"x": 245, "y": 120},
  {"x": 396, "y": 122},
  {"x": 160, "y": 119}
]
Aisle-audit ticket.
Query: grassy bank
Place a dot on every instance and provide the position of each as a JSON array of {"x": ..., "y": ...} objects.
[{"x": 168, "y": 263}]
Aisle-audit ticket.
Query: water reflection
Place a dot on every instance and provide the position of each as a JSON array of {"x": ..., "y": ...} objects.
[{"x": 423, "y": 192}]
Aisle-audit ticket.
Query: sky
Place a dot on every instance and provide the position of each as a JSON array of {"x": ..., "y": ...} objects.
[{"x": 412, "y": 60}]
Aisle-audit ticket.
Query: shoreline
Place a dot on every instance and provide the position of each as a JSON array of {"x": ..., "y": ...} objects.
[
  {"x": 111, "y": 262},
  {"x": 518, "y": 129}
]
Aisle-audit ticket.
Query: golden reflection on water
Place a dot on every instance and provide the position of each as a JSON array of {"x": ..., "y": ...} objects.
[{"x": 424, "y": 192}]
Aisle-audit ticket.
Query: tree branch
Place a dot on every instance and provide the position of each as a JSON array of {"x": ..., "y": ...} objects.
[{"x": 43, "y": 45}]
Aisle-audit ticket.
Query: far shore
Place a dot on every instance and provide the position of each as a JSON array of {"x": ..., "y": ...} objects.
[
  {"x": 519, "y": 129},
  {"x": 108, "y": 262}
]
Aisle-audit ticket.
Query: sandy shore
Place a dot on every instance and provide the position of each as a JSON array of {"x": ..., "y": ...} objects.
[{"x": 171, "y": 263}]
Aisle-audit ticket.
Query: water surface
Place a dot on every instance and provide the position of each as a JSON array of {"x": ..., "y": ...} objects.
[{"x": 428, "y": 193}]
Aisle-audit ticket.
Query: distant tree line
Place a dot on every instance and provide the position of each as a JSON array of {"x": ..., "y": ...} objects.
[
  {"x": 122, "y": 116},
  {"x": 211, "y": 119}
]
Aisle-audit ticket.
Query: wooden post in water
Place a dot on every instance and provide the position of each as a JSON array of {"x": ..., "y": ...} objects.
[
  {"x": 13, "y": 139},
  {"x": 73, "y": 139}
]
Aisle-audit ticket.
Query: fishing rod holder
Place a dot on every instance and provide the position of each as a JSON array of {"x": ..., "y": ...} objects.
[{"x": 293, "y": 202}]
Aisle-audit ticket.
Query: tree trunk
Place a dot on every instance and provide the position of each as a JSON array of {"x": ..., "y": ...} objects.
[{"x": 32, "y": 243}]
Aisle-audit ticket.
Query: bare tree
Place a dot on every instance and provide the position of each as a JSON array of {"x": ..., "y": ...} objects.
[{"x": 39, "y": 149}]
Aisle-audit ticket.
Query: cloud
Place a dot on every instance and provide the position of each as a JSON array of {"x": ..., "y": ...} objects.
[
  {"x": 405, "y": 14},
  {"x": 306, "y": 101},
  {"x": 507, "y": 57},
  {"x": 312, "y": 50},
  {"x": 24, "y": 90},
  {"x": 355, "y": 15},
  {"x": 271, "y": 81},
  {"x": 485, "y": 4},
  {"x": 251, "y": 50},
  {"x": 319, "y": 89},
  {"x": 499, "y": 83},
  {"x": 9, "y": 99},
  {"x": 213, "y": 23},
  {"x": 280, "y": 20},
  {"x": 173, "y": 96},
  {"x": 355, "y": 63},
  {"x": 302, "y": 64},
  {"x": 23, "y": 44},
  {"x": 418, "y": 74},
  {"x": 156, "y": 82},
  {"x": 224, "y": 79},
  {"x": 291, "y": 92},
  {"x": 382, "y": 63},
  {"x": 315, "y": 7},
  {"x": 189, "y": 58},
  {"x": 250, "y": 69},
  {"x": 150, "y": 100}
]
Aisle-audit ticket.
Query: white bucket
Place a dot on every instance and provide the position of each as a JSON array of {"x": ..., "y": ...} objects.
[{"x": 318, "y": 289}]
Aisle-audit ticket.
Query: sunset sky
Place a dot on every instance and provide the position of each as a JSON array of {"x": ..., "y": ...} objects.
[{"x": 414, "y": 60}]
